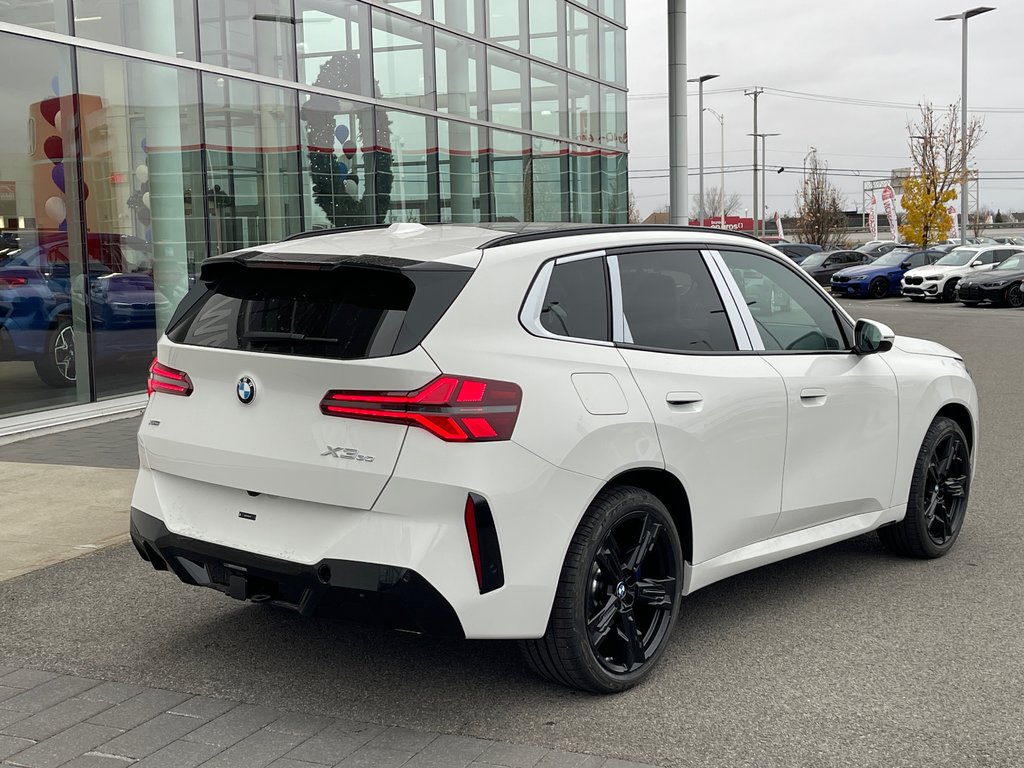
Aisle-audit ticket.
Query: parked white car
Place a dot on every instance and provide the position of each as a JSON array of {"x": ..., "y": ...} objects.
[
  {"x": 551, "y": 435},
  {"x": 939, "y": 280}
]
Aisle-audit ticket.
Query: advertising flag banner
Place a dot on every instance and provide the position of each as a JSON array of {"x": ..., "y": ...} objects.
[
  {"x": 778, "y": 225},
  {"x": 889, "y": 204},
  {"x": 955, "y": 233},
  {"x": 873, "y": 218}
]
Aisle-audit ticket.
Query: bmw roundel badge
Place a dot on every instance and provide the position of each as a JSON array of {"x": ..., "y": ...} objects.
[{"x": 246, "y": 390}]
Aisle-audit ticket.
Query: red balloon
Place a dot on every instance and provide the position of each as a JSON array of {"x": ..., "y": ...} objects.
[
  {"x": 53, "y": 148},
  {"x": 349, "y": 148},
  {"x": 48, "y": 108}
]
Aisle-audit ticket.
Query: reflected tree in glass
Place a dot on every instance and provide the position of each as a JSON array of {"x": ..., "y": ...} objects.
[{"x": 334, "y": 180}]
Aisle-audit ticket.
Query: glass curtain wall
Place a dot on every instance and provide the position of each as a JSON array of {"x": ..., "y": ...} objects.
[{"x": 240, "y": 122}]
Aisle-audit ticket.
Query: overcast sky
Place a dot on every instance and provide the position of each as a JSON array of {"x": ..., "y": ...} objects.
[{"x": 874, "y": 50}]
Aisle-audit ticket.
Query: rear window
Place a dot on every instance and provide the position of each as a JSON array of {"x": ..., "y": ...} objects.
[{"x": 347, "y": 313}]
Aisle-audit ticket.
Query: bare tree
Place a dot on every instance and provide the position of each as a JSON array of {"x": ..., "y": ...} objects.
[
  {"x": 937, "y": 145},
  {"x": 632, "y": 212},
  {"x": 713, "y": 203},
  {"x": 819, "y": 205},
  {"x": 979, "y": 220}
]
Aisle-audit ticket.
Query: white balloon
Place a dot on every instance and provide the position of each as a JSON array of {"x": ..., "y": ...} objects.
[
  {"x": 55, "y": 209},
  {"x": 350, "y": 187},
  {"x": 145, "y": 199},
  {"x": 56, "y": 121},
  {"x": 142, "y": 173}
]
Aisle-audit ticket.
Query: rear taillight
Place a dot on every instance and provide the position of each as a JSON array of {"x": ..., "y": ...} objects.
[
  {"x": 12, "y": 282},
  {"x": 169, "y": 380},
  {"x": 454, "y": 408}
]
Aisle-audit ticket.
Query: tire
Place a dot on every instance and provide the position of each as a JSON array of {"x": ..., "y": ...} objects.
[
  {"x": 601, "y": 596},
  {"x": 1015, "y": 296},
  {"x": 57, "y": 366},
  {"x": 939, "y": 492},
  {"x": 879, "y": 288},
  {"x": 949, "y": 291}
]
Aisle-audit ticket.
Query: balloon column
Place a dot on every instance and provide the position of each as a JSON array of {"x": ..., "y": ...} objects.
[
  {"x": 139, "y": 201},
  {"x": 53, "y": 147}
]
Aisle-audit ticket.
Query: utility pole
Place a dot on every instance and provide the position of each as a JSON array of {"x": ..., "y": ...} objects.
[
  {"x": 755, "y": 93},
  {"x": 678, "y": 203}
]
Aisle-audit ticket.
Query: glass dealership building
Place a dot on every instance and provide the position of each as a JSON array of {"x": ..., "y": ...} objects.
[{"x": 139, "y": 137}]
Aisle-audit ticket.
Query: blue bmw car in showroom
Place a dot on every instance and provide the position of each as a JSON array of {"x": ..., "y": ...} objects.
[{"x": 881, "y": 277}]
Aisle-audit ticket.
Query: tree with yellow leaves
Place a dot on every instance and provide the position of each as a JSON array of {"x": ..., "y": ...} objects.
[
  {"x": 938, "y": 146},
  {"x": 927, "y": 220}
]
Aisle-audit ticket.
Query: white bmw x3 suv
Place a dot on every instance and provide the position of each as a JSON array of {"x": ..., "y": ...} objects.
[
  {"x": 939, "y": 280},
  {"x": 550, "y": 434}
]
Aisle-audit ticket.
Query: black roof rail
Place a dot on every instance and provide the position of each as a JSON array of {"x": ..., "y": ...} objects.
[
  {"x": 332, "y": 231},
  {"x": 570, "y": 230}
]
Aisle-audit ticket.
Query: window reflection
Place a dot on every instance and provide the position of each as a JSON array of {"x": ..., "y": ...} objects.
[
  {"x": 581, "y": 32},
  {"x": 401, "y": 56},
  {"x": 460, "y": 75},
  {"x": 348, "y": 175},
  {"x": 546, "y": 30},
  {"x": 506, "y": 23},
  {"x": 613, "y": 53},
  {"x": 549, "y": 169},
  {"x": 507, "y": 92},
  {"x": 465, "y": 15},
  {"x": 463, "y": 172},
  {"x": 547, "y": 99},
  {"x": 413, "y": 191},
  {"x": 252, "y": 193},
  {"x": 509, "y": 153},
  {"x": 249, "y": 35},
  {"x": 167, "y": 27},
  {"x": 333, "y": 41}
]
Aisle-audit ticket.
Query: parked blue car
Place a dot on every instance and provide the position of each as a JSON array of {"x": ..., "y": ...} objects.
[
  {"x": 881, "y": 277},
  {"x": 39, "y": 299}
]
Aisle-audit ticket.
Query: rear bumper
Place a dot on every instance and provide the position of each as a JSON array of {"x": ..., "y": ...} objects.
[{"x": 398, "y": 597}]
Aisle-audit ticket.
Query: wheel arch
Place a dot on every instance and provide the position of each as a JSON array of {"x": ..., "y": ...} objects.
[
  {"x": 670, "y": 491},
  {"x": 959, "y": 413}
]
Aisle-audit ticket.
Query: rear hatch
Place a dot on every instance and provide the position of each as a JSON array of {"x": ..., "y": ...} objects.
[{"x": 259, "y": 344}]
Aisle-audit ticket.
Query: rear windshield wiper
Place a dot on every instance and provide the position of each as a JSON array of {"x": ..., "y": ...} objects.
[{"x": 285, "y": 336}]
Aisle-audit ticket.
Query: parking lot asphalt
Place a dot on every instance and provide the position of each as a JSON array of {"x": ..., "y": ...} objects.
[{"x": 843, "y": 656}]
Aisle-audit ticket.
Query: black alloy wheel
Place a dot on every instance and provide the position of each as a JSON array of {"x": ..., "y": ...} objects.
[
  {"x": 939, "y": 494},
  {"x": 879, "y": 288},
  {"x": 1015, "y": 296},
  {"x": 949, "y": 291},
  {"x": 618, "y": 596}
]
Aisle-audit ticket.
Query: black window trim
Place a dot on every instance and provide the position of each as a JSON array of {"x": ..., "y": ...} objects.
[
  {"x": 733, "y": 317},
  {"x": 533, "y": 301}
]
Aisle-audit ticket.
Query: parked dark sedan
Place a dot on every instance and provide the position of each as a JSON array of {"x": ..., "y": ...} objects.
[
  {"x": 797, "y": 251},
  {"x": 1002, "y": 285},
  {"x": 821, "y": 266},
  {"x": 877, "y": 248}
]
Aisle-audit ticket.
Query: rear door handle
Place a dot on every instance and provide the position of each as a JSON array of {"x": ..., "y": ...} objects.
[{"x": 684, "y": 398}]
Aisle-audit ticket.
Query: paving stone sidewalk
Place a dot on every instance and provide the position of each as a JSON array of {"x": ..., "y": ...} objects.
[{"x": 49, "y": 720}]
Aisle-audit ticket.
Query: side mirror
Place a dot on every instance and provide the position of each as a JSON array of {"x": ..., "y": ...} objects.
[
  {"x": 905, "y": 265},
  {"x": 870, "y": 337}
]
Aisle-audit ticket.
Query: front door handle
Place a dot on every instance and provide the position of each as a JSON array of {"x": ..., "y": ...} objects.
[
  {"x": 813, "y": 396},
  {"x": 684, "y": 398}
]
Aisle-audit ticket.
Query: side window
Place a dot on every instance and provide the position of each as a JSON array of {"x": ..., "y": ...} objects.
[
  {"x": 789, "y": 313},
  {"x": 669, "y": 301},
  {"x": 919, "y": 260},
  {"x": 992, "y": 257},
  {"x": 576, "y": 302}
]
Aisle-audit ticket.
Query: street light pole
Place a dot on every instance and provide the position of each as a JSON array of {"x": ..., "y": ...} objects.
[
  {"x": 700, "y": 141},
  {"x": 721, "y": 186},
  {"x": 963, "y": 111},
  {"x": 764, "y": 168}
]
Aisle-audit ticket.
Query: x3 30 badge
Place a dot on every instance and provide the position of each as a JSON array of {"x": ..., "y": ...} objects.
[{"x": 346, "y": 453}]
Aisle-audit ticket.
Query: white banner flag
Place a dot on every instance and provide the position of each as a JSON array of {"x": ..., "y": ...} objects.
[
  {"x": 889, "y": 204},
  {"x": 955, "y": 233},
  {"x": 778, "y": 226},
  {"x": 873, "y": 218}
]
